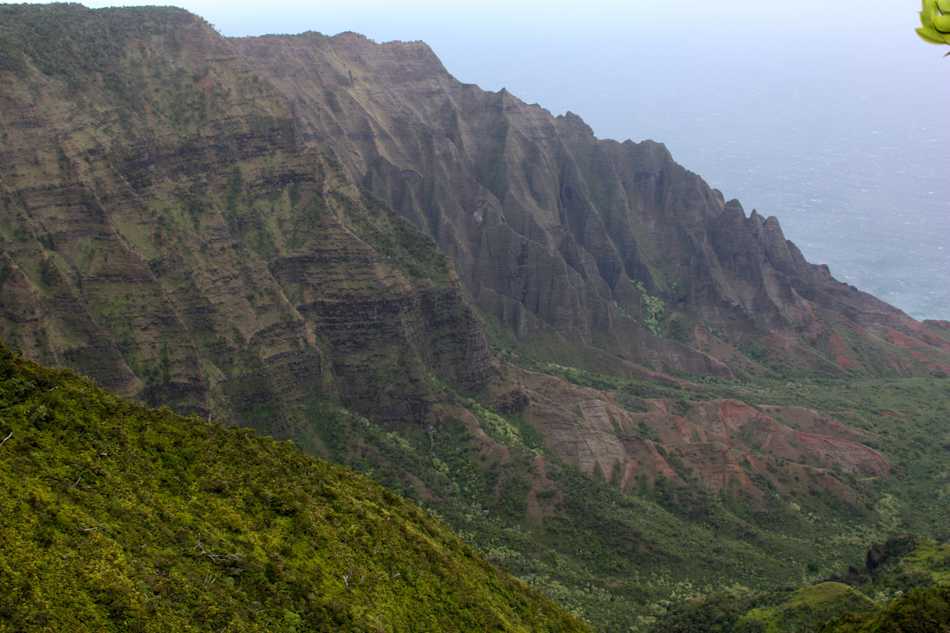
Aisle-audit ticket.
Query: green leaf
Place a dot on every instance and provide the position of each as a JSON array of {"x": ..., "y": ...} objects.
[
  {"x": 942, "y": 23},
  {"x": 943, "y": 5},
  {"x": 931, "y": 35}
]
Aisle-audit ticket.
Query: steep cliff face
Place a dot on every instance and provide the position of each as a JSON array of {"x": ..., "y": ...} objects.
[
  {"x": 215, "y": 223},
  {"x": 166, "y": 231},
  {"x": 611, "y": 245}
]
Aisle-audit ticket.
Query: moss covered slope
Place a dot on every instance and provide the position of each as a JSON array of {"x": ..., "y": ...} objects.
[{"x": 116, "y": 517}]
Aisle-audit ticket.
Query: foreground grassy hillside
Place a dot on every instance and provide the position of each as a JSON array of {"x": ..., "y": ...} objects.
[{"x": 115, "y": 517}]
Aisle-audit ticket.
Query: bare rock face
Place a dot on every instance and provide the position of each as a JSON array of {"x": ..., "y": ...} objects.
[{"x": 717, "y": 445}]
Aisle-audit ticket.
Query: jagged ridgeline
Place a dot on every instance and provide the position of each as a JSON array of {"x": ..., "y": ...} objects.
[{"x": 115, "y": 517}]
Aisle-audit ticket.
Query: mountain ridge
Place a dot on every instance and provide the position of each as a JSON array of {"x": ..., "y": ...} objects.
[
  {"x": 442, "y": 102},
  {"x": 270, "y": 230},
  {"x": 578, "y": 277}
]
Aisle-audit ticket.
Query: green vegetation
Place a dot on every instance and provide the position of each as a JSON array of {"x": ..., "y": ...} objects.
[
  {"x": 652, "y": 308},
  {"x": 621, "y": 559},
  {"x": 806, "y": 608},
  {"x": 399, "y": 242},
  {"x": 918, "y": 611},
  {"x": 68, "y": 41},
  {"x": 655, "y": 545},
  {"x": 115, "y": 517},
  {"x": 898, "y": 592}
]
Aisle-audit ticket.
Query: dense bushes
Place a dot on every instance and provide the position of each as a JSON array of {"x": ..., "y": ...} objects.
[
  {"x": 119, "y": 518},
  {"x": 906, "y": 591}
]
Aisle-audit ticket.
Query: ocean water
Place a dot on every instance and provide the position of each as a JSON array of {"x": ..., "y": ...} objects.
[
  {"x": 866, "y": 195},
  {"x": 839, "y": 127}
]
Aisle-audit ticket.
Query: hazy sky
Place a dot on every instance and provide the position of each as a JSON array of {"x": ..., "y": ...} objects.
[{"x": 831, "y": 115}]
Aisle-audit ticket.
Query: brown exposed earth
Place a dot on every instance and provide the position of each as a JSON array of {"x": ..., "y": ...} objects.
[{"x": 718, "y": 445}]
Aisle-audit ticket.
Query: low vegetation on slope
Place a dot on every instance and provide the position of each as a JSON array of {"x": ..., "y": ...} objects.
[
  {"x": 115, "y": 517},
  {"x": 622, "y": 557},
  {"x": 904, "y": 588}
]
